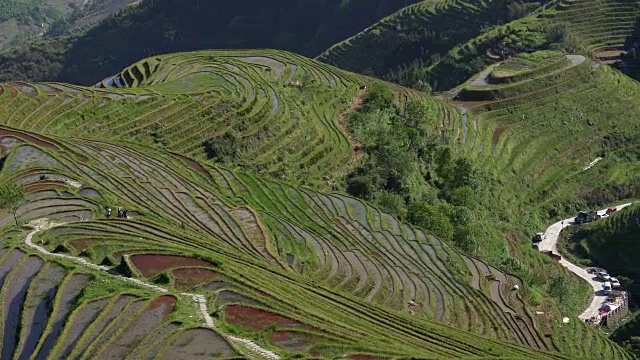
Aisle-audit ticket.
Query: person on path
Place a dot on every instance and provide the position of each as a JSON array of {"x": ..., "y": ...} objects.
[
  {"x": 108, "y": 212},
  {"x": 124, "y": 213}
]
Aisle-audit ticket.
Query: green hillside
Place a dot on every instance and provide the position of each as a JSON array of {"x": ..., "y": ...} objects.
[
  {"x": 441, "y": 43},
  {"x": 628, "y": 335},
  {"x": 272, "y": 112},
  {"x": 612, "y": 243},
  {"x": 424, "y": 31},
  {"x": 91, "y": 45},
  {"x": 235, "y": 165},
  {"x": 538, "y": 133},
  {"x": 343, "y": 278}
]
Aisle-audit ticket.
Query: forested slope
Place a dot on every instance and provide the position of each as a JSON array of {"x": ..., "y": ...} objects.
[{"x": 156, "y": 27}]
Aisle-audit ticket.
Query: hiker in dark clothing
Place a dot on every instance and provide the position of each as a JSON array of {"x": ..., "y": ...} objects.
[{"x": 124, "y": 213}]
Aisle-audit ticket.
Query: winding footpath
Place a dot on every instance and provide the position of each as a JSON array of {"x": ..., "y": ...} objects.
[
  {"x": 199, "y": 299},
  {"x": 550, "y": 244}
]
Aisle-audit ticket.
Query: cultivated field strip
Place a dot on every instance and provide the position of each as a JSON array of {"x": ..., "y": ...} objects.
[
  {"x": 524, "y": 130},
  {"x": 239, "y": 232},
  {"x": 598, "y": 23},
  {"x": 50, "y": 312},
  {"x": 280, "y": 108},
  {"x": 384, "y": 255}
]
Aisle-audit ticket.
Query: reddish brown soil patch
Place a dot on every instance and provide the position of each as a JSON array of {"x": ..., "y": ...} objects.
[
  {"x": 43, "y": 185},
  {"x": 376, "y": 255},
  {"x": 497, "y": 133},
  {"x": 364, "y": 357},
  {"x": 293, "y": 341},
  {"x": 195, "y": 165},
  {"x": 187, "y": 278},
  {"x": 118, "y": 254},
  {"x": 151, "y": 265},
  {"x": 29, "y": 138},
  {"x": 25, "y": 88},
  {"x": 257, "y": 320},
  {"x": 12, "y": 92},
  {"x": 168, "y": 301}
]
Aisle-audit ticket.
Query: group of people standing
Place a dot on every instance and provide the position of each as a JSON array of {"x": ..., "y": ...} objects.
[{"x": 121, "y": 213}]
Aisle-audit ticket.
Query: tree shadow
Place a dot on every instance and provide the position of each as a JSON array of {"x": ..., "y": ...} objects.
[{"x": 629, "y": 60}]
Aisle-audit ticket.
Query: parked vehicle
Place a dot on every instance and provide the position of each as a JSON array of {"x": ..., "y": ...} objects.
[
  {"x": 611, "y": 210},
  {"x": 615, "y": 283},
  {"x": 585, "y": 217},
  {"x": 539, "y": 237},
  {"x": 603, "y": 275},
  {"x": 608, "y": 290},
  {"x": 594, "y": 270}
]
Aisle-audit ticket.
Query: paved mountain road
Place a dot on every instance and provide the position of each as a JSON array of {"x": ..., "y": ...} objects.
[{"x": 550, "y": 244}]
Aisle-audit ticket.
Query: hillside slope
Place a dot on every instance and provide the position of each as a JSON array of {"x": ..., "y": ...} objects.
[
  {"x": 343, "y": 278},
  {"x": 272, "y": 112},
  {"x": 424, "y": 31},
  {"x": 156, "y": 27},
  {"x": 611, "y": 243},
  {"x": 560, "y": 137}
]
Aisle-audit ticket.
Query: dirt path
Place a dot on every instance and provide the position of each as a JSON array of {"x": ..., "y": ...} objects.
[
  {"x": 199, "y": 299},
  {"x": 550, "y": 244},
  {"x": 356, "y": 103}
]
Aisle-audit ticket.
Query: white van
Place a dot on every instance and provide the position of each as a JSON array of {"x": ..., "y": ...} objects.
[{"x": 607, "y": 288}]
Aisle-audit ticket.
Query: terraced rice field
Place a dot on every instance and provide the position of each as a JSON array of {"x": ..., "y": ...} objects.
[
  {"x": 270, "y": 267},
  {"x": 601, "y": 25},
  {"x": 54, "y": 310},
  {"x": 281, "y": 108},
  {"x": 342, "y": 275},
  {"x": 523, "y": 130}
]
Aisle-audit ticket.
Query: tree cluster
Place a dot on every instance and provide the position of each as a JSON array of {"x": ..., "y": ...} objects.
[{"x": 407, "y": 172}]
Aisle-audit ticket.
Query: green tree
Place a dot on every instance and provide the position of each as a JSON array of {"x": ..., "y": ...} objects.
[
  {"x": 463, "y": 196},
  {"x": 418, "y": 112},
  {"x": 465, "y": 236},
  {"x": 465, "y": 174},
  {"x": 380, "y": 96},
  {"x": 11, "y": 197},
  {"x": 431, "y": 218},
  {"x": 224, "y": 148}
]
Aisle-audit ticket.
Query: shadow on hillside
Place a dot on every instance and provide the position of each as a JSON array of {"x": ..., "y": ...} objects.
[
  {"x": 629, "y": 63},
  {"x": 168, "y": 26}
]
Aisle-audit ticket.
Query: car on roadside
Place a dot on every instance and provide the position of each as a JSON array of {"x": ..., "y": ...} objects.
[
  {"x": 594, "y": 270},
  {"x": 585, "y": 217},
  {"x": 608, "y": 290},
  {"x": 603, "y": 275},
  {"x": 615, "y": 283},
  {"x": 539, "y": 237}
]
